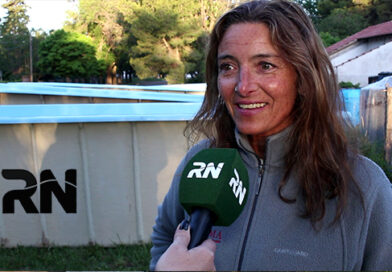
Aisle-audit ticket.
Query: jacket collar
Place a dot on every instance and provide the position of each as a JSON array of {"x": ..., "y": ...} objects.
[{"x": 277, "y": 146}]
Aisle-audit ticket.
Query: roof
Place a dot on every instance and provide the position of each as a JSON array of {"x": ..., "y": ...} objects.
[{"x": 371, "y": 31}]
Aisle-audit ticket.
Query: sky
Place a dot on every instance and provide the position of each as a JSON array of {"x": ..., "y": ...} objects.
[{"x": 45, "y": 14}]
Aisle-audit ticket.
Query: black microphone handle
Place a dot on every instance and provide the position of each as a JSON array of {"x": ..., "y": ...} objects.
[{"x": 201, "y": 223}]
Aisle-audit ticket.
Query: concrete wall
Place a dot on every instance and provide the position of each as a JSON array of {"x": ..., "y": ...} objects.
[
  {"x": 123, "y": 172},
  {"x": 347, "y": 53},
  {"x": 358, "y": 70}
]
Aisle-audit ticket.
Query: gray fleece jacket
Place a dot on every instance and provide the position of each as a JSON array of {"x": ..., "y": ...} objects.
[{"x": 270, "y": 235}]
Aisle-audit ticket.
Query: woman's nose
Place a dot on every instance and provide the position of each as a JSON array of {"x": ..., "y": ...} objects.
[{"x": 245, "y": 84}]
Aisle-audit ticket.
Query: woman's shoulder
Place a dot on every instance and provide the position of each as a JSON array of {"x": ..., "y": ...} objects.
[
  {"x": 203, "y": 144},
  {"x": 369, "y": 176},
  {"x": 376, "y": 233}
]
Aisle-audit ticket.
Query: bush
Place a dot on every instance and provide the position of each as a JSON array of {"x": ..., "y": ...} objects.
[
  {"x": 348, "y": 85},
  {"x": 373, "y": 150}
]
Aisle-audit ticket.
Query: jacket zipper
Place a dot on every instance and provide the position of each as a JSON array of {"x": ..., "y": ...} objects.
[{"x": 261, "y": 173}]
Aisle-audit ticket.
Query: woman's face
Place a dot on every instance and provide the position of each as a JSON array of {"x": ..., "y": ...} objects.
[{"x": 256, "y": 83}]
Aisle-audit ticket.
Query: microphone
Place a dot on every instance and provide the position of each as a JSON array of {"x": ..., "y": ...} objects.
[{"x": 213, "y": 190}]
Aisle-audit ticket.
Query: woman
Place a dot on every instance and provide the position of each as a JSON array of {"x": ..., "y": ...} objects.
[{"x": 313, "y": 203}]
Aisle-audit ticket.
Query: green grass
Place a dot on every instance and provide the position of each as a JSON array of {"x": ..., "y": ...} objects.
[{"x": 122, "y": 257}]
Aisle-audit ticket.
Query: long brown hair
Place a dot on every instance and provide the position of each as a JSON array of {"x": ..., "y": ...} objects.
[{"x": 318, "y": 140}]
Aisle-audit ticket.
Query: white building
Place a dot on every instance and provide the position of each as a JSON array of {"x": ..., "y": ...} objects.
[{"x": 364, "y": 54}]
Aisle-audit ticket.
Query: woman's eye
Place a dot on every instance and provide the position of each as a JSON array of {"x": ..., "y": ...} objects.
[
  {"x": 266, "y": 66},
  {"x": 225, "y": 67}
]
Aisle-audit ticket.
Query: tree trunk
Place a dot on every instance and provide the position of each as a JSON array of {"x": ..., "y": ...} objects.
[
  {"x": 111, "y": 74},
  {"x": 203, "y": 15},
  {"x": 173, "y": 52}
]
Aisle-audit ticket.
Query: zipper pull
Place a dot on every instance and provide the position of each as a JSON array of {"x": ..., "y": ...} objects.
[{"x": 261, "y": 173}]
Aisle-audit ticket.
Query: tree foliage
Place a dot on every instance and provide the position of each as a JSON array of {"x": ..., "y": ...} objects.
[
  {"x": 209, "y": 13},
  {"x": 311, "y": 8},
  {"x": 379, "y": 11},
  {"x": 167, "y": 39},
  {"x": 163, "y": 40},
  {"x": 170, "y": 37},
  {"x": 337, "y": 19},
  {"x": 17, "y": 19},
  {"x": 14, "y": 40},
  {"x": 68, "y": 54},
  {"x": 342, "y": 22},
  {"x": 104, "y": 21},
  {"x": 328, "y": 39},
  {"x": 150, "y": 38}
]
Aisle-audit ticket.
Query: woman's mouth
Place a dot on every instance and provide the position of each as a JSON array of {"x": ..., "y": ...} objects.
[{"x": 252, "y": 106}]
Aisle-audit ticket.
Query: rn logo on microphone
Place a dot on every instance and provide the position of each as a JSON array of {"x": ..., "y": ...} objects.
[
  {"x": 208, "y": 169},
  {"x": 48, "y": 186},
  {"x": 238, "y": 189},
  {"x": 203, "y": 171}
]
